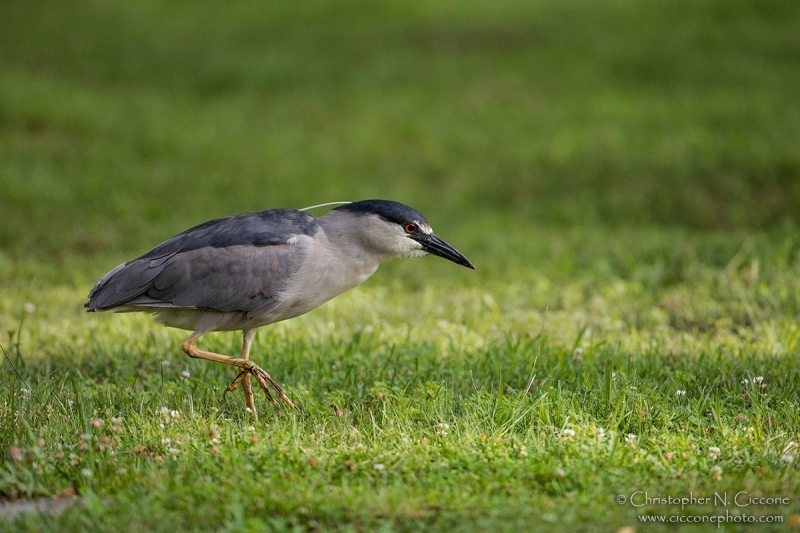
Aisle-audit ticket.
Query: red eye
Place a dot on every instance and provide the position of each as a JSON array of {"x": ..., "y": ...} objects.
[{"x": 410, "y": 228}]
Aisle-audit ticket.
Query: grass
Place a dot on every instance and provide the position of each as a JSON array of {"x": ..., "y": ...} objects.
[{"x": 624, "y": 176}]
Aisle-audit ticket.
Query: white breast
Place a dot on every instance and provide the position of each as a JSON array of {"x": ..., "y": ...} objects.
[{"x": 326, "y": 272}]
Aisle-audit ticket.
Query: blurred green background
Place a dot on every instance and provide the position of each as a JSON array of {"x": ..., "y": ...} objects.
[
  {"x": 122, "y": 123},
  {"x": 625, "y": 174}
]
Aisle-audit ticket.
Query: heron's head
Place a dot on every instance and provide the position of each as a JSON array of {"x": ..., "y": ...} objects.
[{"x": 394, "y": 229}]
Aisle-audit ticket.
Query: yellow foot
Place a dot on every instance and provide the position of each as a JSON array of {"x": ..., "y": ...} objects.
[{"x": 264, "y": 381}]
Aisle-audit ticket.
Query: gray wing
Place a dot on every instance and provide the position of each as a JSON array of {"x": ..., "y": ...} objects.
[{"x": 236, "y": 263}]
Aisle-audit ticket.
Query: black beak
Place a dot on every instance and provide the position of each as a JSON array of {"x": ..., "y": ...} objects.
[{"x": 436, "y": 246}]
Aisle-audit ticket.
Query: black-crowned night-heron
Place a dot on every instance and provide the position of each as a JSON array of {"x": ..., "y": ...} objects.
[{"x": 245, "y": 271}]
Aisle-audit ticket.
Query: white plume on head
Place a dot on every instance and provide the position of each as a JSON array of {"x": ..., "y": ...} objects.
[{"x": 323, "y": 205}]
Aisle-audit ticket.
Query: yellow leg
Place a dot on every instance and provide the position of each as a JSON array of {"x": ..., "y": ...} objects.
[
  {"x": 247, "y": 367},
  {"x": 247, "y": 387}
]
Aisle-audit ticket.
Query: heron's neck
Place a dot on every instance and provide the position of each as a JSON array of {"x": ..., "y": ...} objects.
[{"x": 349, "y": 242}]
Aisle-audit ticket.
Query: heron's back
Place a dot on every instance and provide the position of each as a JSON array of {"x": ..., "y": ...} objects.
[{"x": 235, "y": 264}]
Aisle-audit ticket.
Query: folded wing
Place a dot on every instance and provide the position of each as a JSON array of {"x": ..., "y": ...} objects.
[{"x": 237, "y": 263}]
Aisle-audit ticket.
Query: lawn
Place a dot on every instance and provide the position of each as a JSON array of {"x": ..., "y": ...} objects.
[{"x": 624, "y": 175}]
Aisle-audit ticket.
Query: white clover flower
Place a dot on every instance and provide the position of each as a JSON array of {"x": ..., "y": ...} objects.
[
  {"x": 86, "y": 473},
  {"x": 24, "y": 394},
  {"x": 758, "y": 380},
  {"x": 745, "y": 381},
  {"x": 577, "y": 352},
  {"x": 166, "y": 442},
  {"x": 567, "y": 433},
  {"x": 600, "y": 434},
  {"x": 186, "y": 374},
  {"x": 15, "y": 453},
  {"x": 175, "y": 414},
  {"x": 380, "y": 467},
  {"x": 787, "y": 458},
  {"x": 680, "y": 392},
  {"x": 716, "y": 473},
  {"x": 630, "y": 440},
  {"x": 165, "y": 362},
  {"x": 29, "y": 308},
  {"x": 713, "y": 452}
]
